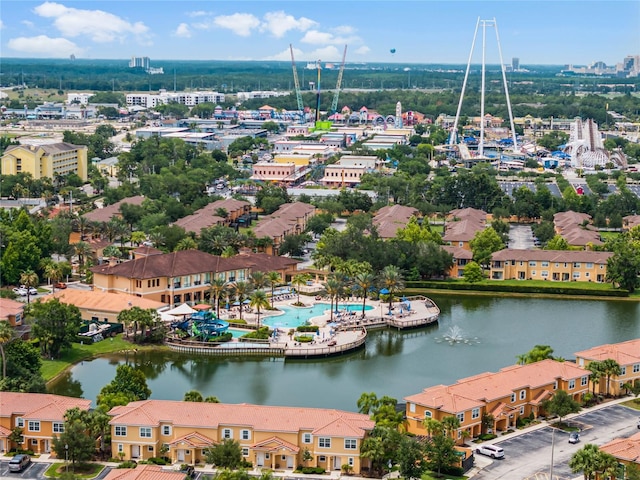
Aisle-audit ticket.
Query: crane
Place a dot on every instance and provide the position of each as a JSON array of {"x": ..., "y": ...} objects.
[
  {"x": 334, "y": 103},
  {"x": 319, "y": 68},
  {"x": 296, "y": 83}
]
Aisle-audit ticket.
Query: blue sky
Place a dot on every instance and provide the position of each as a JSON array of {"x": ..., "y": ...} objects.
[{"x": 421, "y": 31}]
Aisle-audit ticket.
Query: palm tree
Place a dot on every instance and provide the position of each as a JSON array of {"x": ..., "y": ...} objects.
[
  {"x": 595, "y": 368},
  {"x": 192, "y": 396},
  {"x": 392, "y": 280},
  {"x": 30, "y": 280},
  {"x": 187, "y": 243},
  {"x": 450, "y": 424},
  {"x": 585, "y": 460},
  {"x": 157, "y": 238},
  {"x": 299, "y": 280},
  {"x": 364, "y": 281},
  {"x": 273, "y": 278},
  {"x": 258, "y": 300},
  {"x": 6, "y": 334},
  {"x": 241, "y": 290},
  {"x": 211, "y": 399},
  {"x": 82, "y": 250},
  {"x": 54, "y": 274},
  {"x": 138, "y": 237},
  {"x": 258, "y": 279},
  {"x": 333, "y": 287},
  {"x": 218, "y": 288},
  {"x": 367, "y": 402},
  {"x": 228, "y": 252},
  {"x": 610, "y": 368}
]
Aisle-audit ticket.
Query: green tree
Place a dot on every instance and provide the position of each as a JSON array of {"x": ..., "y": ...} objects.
[
  {"x": 439, "y": 447},
  {"x": 30, "y": 280},
  {"x": 596, "y": 374},
  {"x": 129, "y": 383},
  {"x": 367, "y": 402},
  {"x": 536, "y": 354},
  {"x": 6, "y": 335},
  {"x": 623, "y": 267},
  {"x": 21, "y": 253},
  {"x": 585, "y": 460},
  {"x": 365, "y": 282},
  {"x": 484, "y": 244},
  {"x": 55, "y": 325},
  {"x": 75, "y": 443},
  {"x": 298, "y": 281},
  {"x": 391, "y": 278},
  {"x": 23, "y": 363},
  {"x": 411, "y": 458},
  {"x": 273, "y": 279},
  {"x": 473, "y": 272},
  {"x": 259, "y": 301},
  {"x": 219, "y": 288},
  {"x": 227, "y": 454},
  {"x": 557, "y": 243},
  {"x": 561, "y": 404},
  {"x": 610, "y": 368},
  {"x": 193, "y": 396}
]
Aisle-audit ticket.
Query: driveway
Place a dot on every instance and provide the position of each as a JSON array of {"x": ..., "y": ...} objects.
[
  {"x": 520, "y": 237},
  {"x": 528, "y": 456},
  {"x": 35, "y": 470}
]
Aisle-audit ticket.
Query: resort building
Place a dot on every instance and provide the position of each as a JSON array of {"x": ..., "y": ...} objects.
[
  {"x": 388, "y": 220},
  {"x": 39, "y": 415},
  {"x": 553, "y": 265},
  {"x": 462, "y": 225},
  {"x": 625, "y": 450},
  {"x": 220, "y": 212},
  {"x": 289, "y": 219},
  {"x": 105, "y": 214},
  {"x": 49, "y": 160},
  {"x": 575, "y": 228},
  {"x": 183, "y": 276},
  {"x": 270, "y": 437},
  {"x": 626, "y": 354},
  {"x": 513, "y": 392},
  {"x": 348, "y": 171},
  {"x": 461, "y": 257}
]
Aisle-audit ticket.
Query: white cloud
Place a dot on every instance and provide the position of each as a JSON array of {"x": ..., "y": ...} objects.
[
  {"x": 285, "y": 55},
  {"x": 182, "y": 31},
  {"x": 99, "y": 25},
  {"x": 44, "y": 46},
  {"x": 279, "y": 23},
  {"x": 198, "y": 13},
  {"x": 1, "y": 24},
  {"x": 316, "y": 37},
  {"x": 241, "y": 24},
  {"x": 344, "y": 30},
  {"x": 329, "y": 53},
  {"x": 363, "y": 50},
  {"x": 326, "y": 54}
]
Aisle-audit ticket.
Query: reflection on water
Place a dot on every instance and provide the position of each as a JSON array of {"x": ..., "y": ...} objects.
[{"x": 393, "y": 363}]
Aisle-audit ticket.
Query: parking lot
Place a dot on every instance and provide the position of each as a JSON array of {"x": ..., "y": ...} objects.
[
  {"x": 35, "y": 470},
  {"x": 528, "y": 456}
]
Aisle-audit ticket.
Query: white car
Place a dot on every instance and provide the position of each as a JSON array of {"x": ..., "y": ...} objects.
[
  {"x": 32, "y": 290},
  {"x": 491, "y": 451},
  {"x": 20, "y": 291}
]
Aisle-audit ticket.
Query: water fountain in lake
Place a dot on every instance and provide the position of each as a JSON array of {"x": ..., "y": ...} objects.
[{"x": 455, "y": 335}]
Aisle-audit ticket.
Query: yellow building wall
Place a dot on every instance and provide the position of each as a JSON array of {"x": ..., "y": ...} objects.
[
  {"x": 39, "y": 164},
  {"x": 298, "y": 160}
]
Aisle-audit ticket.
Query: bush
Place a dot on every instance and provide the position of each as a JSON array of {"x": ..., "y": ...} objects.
[
  {"x": 486, "y": 436},
  {"x": 453, "y": 471},
  {"x": 261, "y": 334},
  {"x": 225, "y": 337},
  {"x": 312, "y": 470},
  {"x": 127, "y": 464},
  {"x": 304, "y": 338},
  {"x": 497, "y": 286},
  {"x": 308, "y": 328},
  {"x": 157, "y": 461}
]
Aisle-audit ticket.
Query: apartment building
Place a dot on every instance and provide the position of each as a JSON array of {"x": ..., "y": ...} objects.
[
  {"x": 49, "y": 160},
  {"x": 210, "y": 215},
  {"x": 462, "y": 225},
  {"x": 576, "y": 229},
  {"x": 625, "y": 450},
  {"x": 388, "y": 220},
  {"x": 190, "y": 99},
  {"x": 626, "y": 354},
  {"x": 270, "y": 437},
  {"x": 552, "y": 265},
  {"x": 461, "y": 257},
  {"x": 513, "y": 392},
  {"x": 289, "y": 219},
  {"x": 39, "y": 415}
]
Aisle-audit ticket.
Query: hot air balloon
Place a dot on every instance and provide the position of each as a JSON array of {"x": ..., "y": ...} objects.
[{"x": 393, "y": 50}]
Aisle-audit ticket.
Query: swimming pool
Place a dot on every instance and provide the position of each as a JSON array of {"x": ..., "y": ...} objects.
[
  {"x": 236, "y": 333},
  {"x": 294, "y": 317}
]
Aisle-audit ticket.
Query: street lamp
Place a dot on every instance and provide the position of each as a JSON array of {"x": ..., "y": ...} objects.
[{"x": 66, "y": 457}]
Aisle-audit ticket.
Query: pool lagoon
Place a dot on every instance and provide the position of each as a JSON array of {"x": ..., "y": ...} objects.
[{"x": 293, "y": 317}]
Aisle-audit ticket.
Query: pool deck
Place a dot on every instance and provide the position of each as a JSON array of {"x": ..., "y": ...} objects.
[{"x": 338, "y": 334}]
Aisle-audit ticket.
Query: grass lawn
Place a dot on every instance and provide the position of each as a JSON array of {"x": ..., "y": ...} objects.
[
  {"x": 77, "y": 353},
  {"x": 432, "y": 476},
  {"x": 609, "y": 235},
  {"x": 85, "y": 470},
  {"x": 634, "y": 403}
]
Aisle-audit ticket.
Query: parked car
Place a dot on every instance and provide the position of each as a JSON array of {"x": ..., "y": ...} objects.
[
  {"x": 574, "y": 437},
  {"x": 19, "y": 463},
  {"x": 20, "y": 291},
  {"x": 491, "y": 451},
  {"x": 639, "y": 423},
  {"x": 60, "y": 285},
  {"x": 32, "y": 290}
]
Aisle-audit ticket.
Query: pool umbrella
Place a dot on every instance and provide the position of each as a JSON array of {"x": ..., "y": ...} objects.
[
  {"x": 236, "y": 304},
  {"x": 201, "y": 306},
  {"x": 247, "y": 301},
  {"x": 384, "y": 291}
]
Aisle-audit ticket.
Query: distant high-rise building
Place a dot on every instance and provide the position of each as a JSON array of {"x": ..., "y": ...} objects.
[
  {"x": 515, "y": 64},
  {"x": 72, "y": 57},
  {"x": 140, "y": 62}
]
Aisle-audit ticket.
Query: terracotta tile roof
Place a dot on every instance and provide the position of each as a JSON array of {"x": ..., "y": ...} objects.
[
  {"x": 258, "y": 417},
  {"x": 541, "y": 397},
  {"x": 577, "y": 235},
  {"x": 560, "y": 256},
  {"x": 105, "y": 214},
  {"x": 275, "y": 444},
  {"x": 4, "y": 432},
  {"x": 462, "y": 230},
  {"x": 284, "y": 220},
  {"x": 143, "y": 251},
  {"x": 624, "y": 448},
  {"x": 500, "y": 410},
  {"x": 175, "y": 264},
  {"x": 206, "y": 217},
  {"x": 631, "y": 221},
  {"x": 565, "y": 218},
  {"x": 144, "y": 472},
  {"x": 458, "y": 252},
  {"x": 10, "y": 307},
  {"x": 41, "y": 406},
  {"x": 441, "y": 397},
  {"x": 625, "y": 353},
  {"x": 263, "y": 262},
  {"x": 194, "y": 439},
  {"x": 465, "y": 213},
  {"x": 102, "y": 301},
  {"x": 391, "y": 218}
]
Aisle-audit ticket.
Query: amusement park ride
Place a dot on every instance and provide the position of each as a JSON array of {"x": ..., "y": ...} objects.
[{"x": 203, "y": 325}]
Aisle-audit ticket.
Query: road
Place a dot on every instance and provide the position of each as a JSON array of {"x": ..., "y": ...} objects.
[{"x": 528, "y": 456}]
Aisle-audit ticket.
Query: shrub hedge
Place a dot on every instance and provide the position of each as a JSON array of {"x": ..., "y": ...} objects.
[
  {"x": 308, "y": 328},
  {"x": 553, "y": 288}
]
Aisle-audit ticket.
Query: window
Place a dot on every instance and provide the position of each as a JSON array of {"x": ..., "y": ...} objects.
[
  {"x": 350, "y": 461},
  {"x": 532, "y": 264},
  {"x": 227, "y": 433},
  {"x": 19, "y": 422},
  {"x": 545, "y": 273},
  {"x": 427, "y": 414},
  {"x": 120, "y": 431},
  {"x": 245, "y": 451},
  {"x": 576, "y": 265},
  {"x": 350, "y": 444},
  {"x": 636, "y": 368},
  {"x": 120, "y": 448},
  {"x": 623, "y": 371},
  {"x": 545, "y": 264},
  {"x": 306, "y": 438},
  {"x": 475, "y": 413},
  {"x": 523, "y": 394},
  {"x": 572, "y": 384},
  {"x": 324, "y": 442},
  {"x": 245, "y": 434},
  {"x": 555, "y": 385},
  {"x": 589, "y": 265},
  {"x": 145, "y": 432},
  {"x": 522, "y": 410},
  {"x": 34, "y": 426},
  {"x": 58, "y": 427},
  {"x": 576, "y": 274},
  {"x": 34, "y": 441},
  {"x": 321, "y": 458},
  {"x": 166, "y": 430},
  {"x": 513, "y": 397},
  {"x": 460, "y": 417},
  {"x": 412, "y": 407},
  {"x": 584, "y": 381},
  {"x": 150, "y": 448}
]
